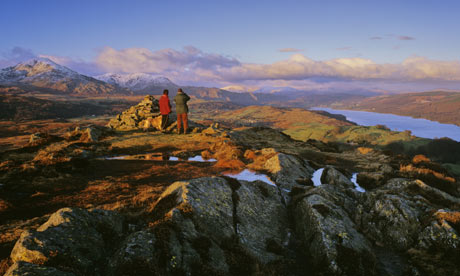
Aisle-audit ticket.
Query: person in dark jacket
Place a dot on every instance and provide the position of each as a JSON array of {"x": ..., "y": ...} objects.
[
  {"x": 165, "y": 109},
  {"x": 181, "y": 100}
]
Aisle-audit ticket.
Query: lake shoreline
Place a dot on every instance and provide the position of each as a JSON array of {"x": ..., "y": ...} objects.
[{"x": 419, "y": 127}]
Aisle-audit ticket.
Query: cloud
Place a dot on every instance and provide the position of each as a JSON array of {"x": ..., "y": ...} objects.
[
  {"x": 79, "y": 65},
  {"x": 399, "y": 37},
  {"x": 193, "y": 65},
  {"x": 344, "y": 49},
  {"x": 405, "y": 37},
  {"x": 161, "y": 61},
  {"x": 289, "y": 50},
  {"x": 15, "y": 56}
]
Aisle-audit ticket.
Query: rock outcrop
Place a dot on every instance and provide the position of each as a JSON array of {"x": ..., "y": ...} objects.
[
  {"x": 288, "y": 171},
  {"x": 72, "y": 240}
]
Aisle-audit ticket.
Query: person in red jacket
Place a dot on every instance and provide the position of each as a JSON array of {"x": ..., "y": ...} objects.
[{"x": 165, "y": 109}]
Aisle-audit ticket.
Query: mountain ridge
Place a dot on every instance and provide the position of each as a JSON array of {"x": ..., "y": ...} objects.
[{"x": 42, "y": 73}]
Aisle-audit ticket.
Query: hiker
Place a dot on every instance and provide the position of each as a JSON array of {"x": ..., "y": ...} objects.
[
  {"x": 165, "y": 109},
  {"x": 181, "y": 109}
]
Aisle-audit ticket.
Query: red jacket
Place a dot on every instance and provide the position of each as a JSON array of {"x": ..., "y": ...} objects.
[{"x": 165, "y": 106}]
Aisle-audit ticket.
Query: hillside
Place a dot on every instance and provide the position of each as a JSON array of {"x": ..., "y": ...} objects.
[
  {"x": 14, "y": 107},
  {"x": 438, "y": 106},
  {"x": 282, "y": 118},
  {"x": 303, "y": 124}
]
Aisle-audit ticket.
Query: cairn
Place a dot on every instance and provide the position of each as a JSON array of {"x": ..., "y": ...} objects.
[{"x": 144, "y": 115}]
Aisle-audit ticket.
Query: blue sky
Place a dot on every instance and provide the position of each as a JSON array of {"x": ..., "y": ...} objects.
[{"x": 251, "y": 32}]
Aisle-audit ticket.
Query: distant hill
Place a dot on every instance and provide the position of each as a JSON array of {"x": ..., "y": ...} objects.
[
  {"x": 14, "y": 107},
  {"x": 438, "y": 106},
  {"x": 44, "y": 75},
  {"x": 281, "y": 118},
  {"x": 303, "y": 125}
]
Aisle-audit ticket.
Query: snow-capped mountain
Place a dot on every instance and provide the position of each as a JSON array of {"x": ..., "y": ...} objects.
[
  {"x": 44, "y": 74},
  {"x": 138, "y": 82}
]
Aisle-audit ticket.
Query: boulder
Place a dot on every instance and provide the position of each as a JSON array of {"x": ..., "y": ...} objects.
[
  {"x": 392, "y": 217},
  {"x": 25, "y": 269},
  {"x": 331, "y": 238},
  {"x": 201, "y": 212},
  {"x": 371, "y": 180},
  {"x": 71, "y": 239},
  {"x": 442, "y": 232},
  {"x": 287, "y": 169},
  {"x": 262, "y": 220},
  {"x": 220, "y": 224},
  {"x": 87, "y": 135},
  {"x": 137, "y": 255},
  {"x": 332, "y": 176}
]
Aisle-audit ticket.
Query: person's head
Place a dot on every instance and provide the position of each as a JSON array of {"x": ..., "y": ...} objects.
[
  {"x": 165, "y": 92},
  {"x": 180, "y": 90}
]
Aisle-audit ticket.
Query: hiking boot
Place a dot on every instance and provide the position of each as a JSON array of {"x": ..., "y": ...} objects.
[{"x": 178, "y": 131}]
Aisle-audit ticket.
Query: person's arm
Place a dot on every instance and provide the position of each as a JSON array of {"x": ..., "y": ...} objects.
[{"x": 186, "y": 97}]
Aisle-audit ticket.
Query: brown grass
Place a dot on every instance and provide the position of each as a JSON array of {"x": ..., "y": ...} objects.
[
  {"x": 364, "y": 150},
  {"x": 420, "y": 158}
]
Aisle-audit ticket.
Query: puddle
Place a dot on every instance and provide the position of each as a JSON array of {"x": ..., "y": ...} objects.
[
  {"x": 199, "y": 158},
  {"x": 316, "y": 178},
  {"x": 353, "y": 179},
  {"x": 249, "y": 175},
  {"x": 115, "y": 158},
  {"x": 158, "y": 157}
]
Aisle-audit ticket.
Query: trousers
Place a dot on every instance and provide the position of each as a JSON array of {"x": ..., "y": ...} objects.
[
  {"x": 164, "y": 121},
  {"x": 184, "y": 118}
]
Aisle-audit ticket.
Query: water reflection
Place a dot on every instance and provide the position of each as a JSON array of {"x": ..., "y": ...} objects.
[
  {"x": 159, "y": 157},
  {"x": 354, "y": 179},
  {"x": 199, "y": 158},
  {"x": 250, "y": 176},
  {"x": 316, "y": 178}
]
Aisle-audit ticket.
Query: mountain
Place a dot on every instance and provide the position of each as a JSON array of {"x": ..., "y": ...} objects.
[
  {"x": 42, "y": 74},
  {"x": 439, "y": 106},
  {"x": 140, "y": 83}
]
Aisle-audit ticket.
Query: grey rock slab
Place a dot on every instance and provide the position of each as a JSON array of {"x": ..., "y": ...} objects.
[
  {"x": 330, "y": 237},
  {"x": 332, "y": 176},
  {"x": 29, "y": 269},
  {"x": 136, "y": 254},
  {"x": 287, "y": 169},
  {"x": 262, "y": 219},
  {"x": 74, "y": 238},
  {"x": 208, "y": 200}
]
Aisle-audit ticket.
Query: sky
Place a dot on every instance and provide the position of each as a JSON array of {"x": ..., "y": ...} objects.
[{"x": 323, "y": 45}]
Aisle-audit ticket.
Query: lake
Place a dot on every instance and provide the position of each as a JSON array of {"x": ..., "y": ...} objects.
[{"x": 419, "y": 127}]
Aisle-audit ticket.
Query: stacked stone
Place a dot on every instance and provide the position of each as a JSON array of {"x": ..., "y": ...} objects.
[{"x": 136, "y": 116}]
